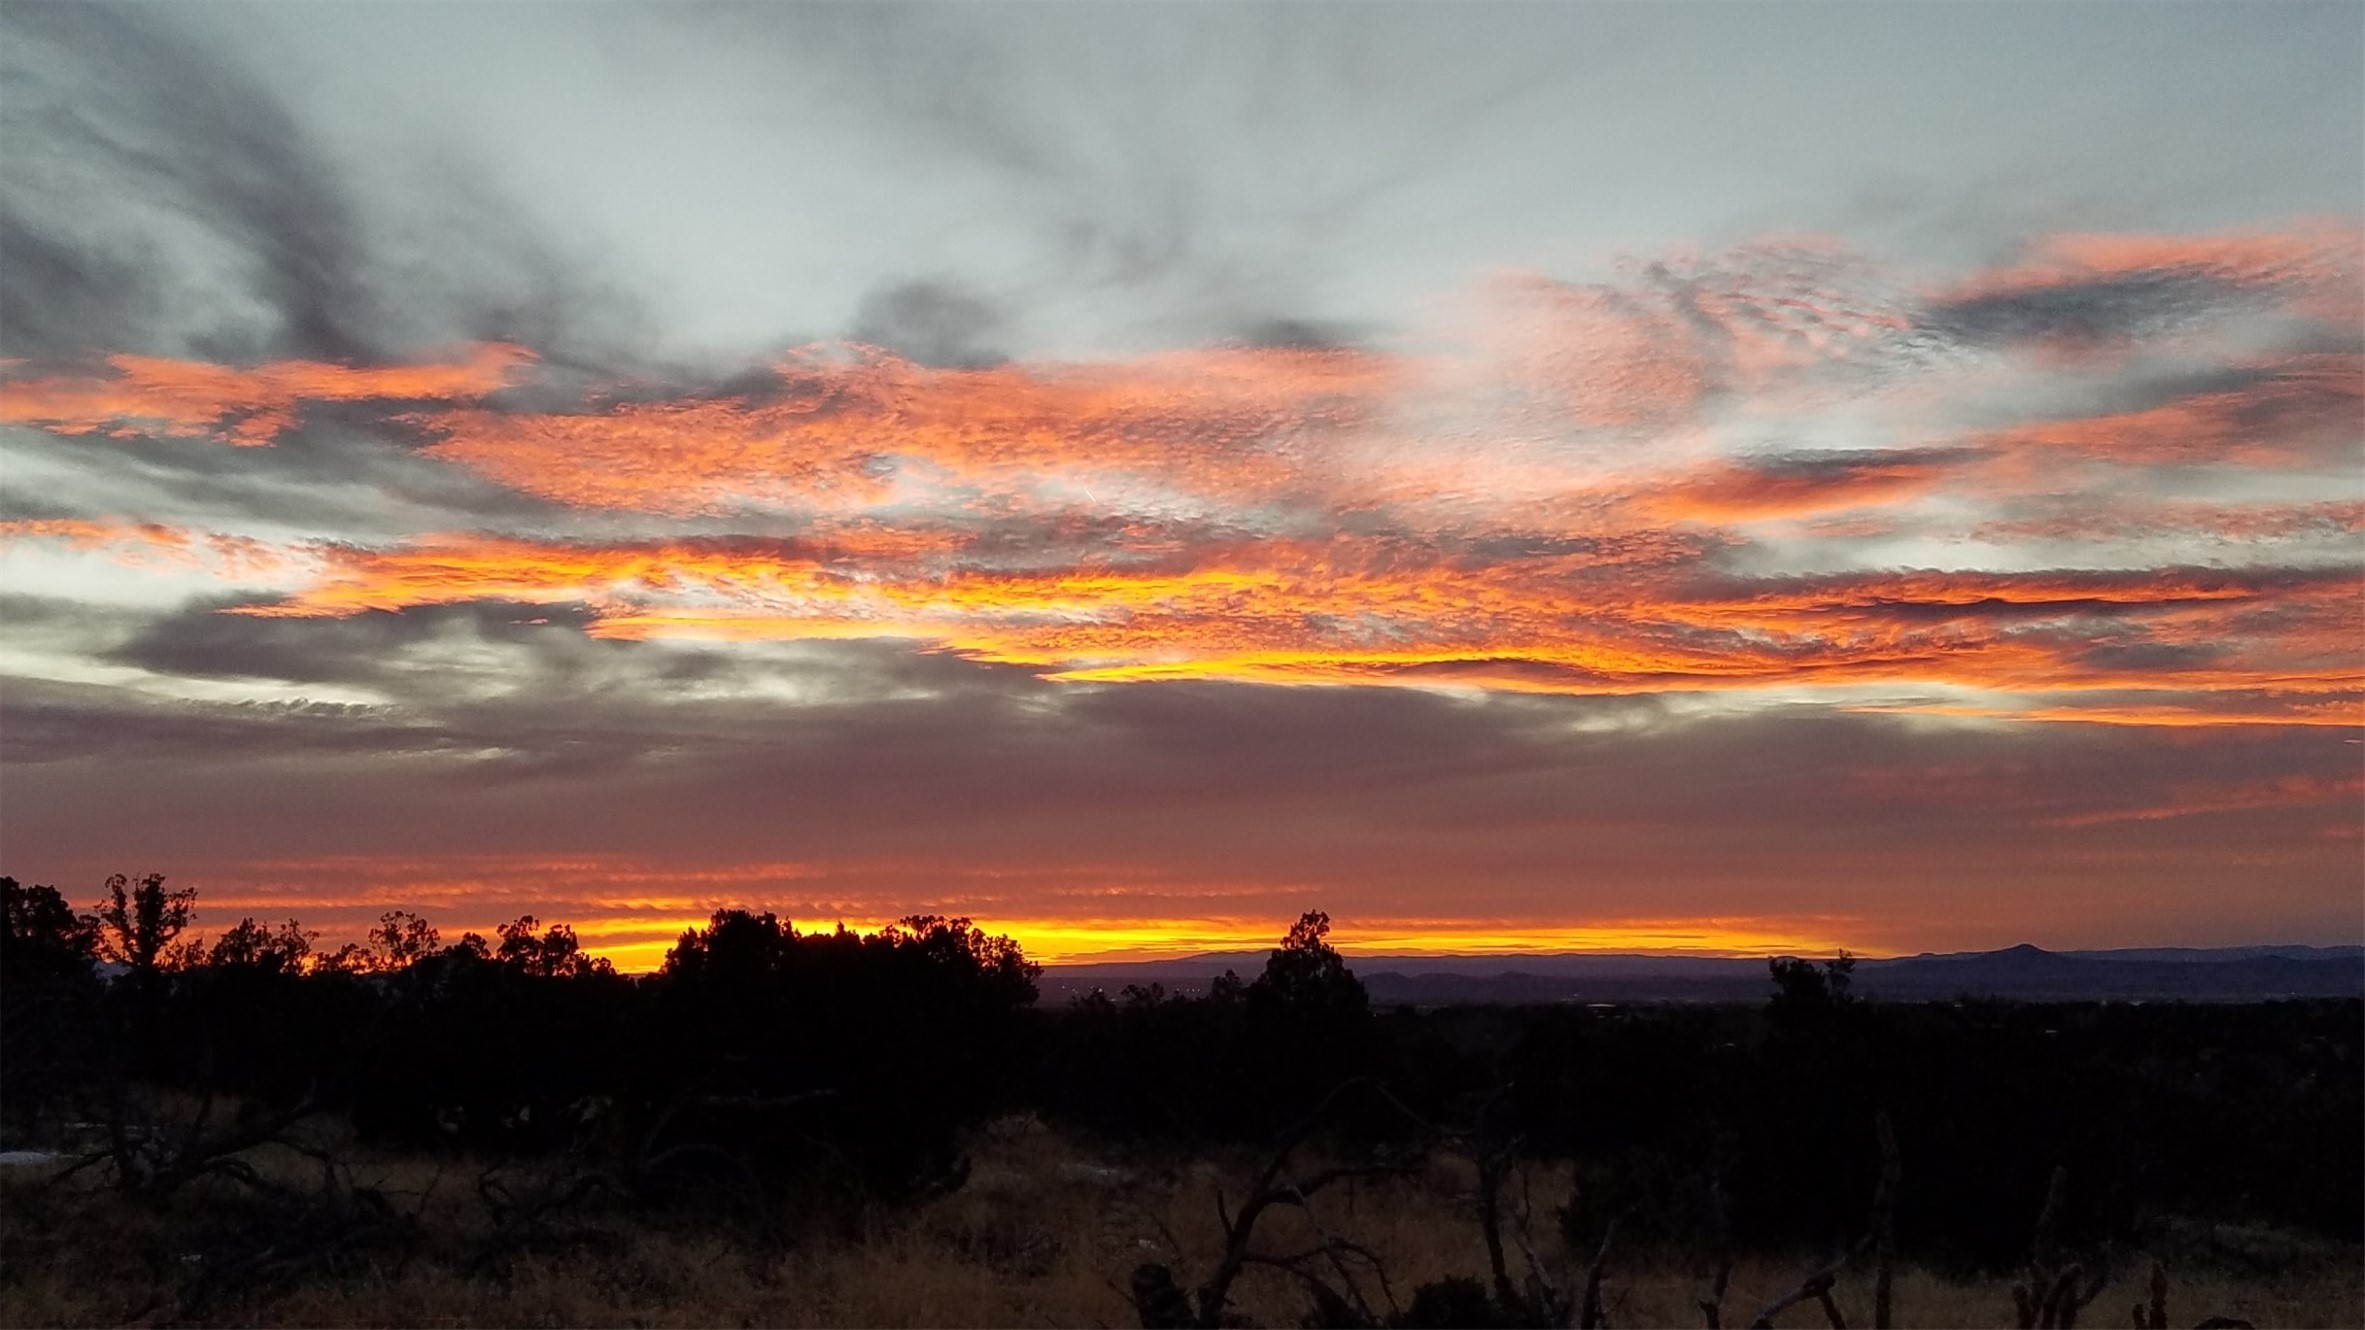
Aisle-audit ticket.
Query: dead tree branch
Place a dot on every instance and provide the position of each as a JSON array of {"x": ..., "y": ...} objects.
[
  {"x": 1160, "y": 1303},
  {"x": 1815, "y": 1287},
  {"x": 2055, "y": 1287},
  {"x": 148, "y": 1159},
  {"x": 1884, "y": 1225},
  {"x": 1720, "y": 1239},
  {"x": 1589, "y": 1312}
]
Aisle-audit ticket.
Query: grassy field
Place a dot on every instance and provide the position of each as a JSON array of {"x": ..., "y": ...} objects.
[{"x": 1044, "y": 1233}]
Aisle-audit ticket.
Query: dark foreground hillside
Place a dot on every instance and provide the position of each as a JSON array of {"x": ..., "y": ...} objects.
[
  {"x": 841, "y": 1127},
  {"x": 1045, "y": 1232}
]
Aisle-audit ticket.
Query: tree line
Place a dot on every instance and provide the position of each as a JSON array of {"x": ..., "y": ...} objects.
[{"x": 781, "y": 1075}]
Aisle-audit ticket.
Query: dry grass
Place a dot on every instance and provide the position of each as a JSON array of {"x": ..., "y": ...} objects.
[{"x": 1044, "y": 1234}]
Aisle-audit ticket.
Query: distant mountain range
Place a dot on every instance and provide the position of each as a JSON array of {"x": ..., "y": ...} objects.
[{"x": 2024, "y": 973}]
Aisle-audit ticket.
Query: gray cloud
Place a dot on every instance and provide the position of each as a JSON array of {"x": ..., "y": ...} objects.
[
  {"x": 160, "y": 199},
  {"x": 2105, "y": 309},
  {"x": 1188, "y": 174},
  {"x": 344, "y": 469},
  {"x": 932, "y": 323},
  {"x": 1002, "y": 791},
  {"x": 53, "y": 722},
  {"x": 108, "y": 106},
  {"x": 199, "y": 641},
  {"x": 58, "y": 298}
]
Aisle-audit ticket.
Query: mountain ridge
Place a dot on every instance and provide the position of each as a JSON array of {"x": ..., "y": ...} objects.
[{"x": 2023, "y": 971}]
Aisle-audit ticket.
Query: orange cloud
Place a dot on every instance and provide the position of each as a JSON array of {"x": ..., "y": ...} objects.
[
  {"x": 139, "y": 543},
  {"x": 1224, "y": 422},
  {"x": 1383, "y": 610},
  {"x": 2246, "y": 523},
  {"x": 1730, "y": 492},
  {"x": 245, "y": 407},
  {"x": 1559, "y": 504},
  {"x": 1606, "y": 359},
  {"x": 2301, "y": 412},
  {"x": 1651, "y": 351}
]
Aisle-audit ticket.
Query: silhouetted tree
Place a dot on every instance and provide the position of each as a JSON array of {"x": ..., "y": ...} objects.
[
  {"x": 995, "y": 966},
  {"x": 403, "y": 939},
  {"x": 855, "y": 1057},
  {"x": 1837, "y": 974},
  {"x": 555, "y": 953},
  {"x": 47, "y": 992},
  {"x": 736, "y": 948},
  {"x": 350, "y": 958},
  {"x": 42, "y": 940},
  {"x": 137, "y": 924},
  {"x": 1802, "y": 985},
  {"x": 256, "y": 946},
  {"x": 1306, "y": 974},
  {"x": 1306, "y": 1027}
]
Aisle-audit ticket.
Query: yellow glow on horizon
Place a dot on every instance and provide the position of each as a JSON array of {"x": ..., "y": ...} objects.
[{"x": 639, "y": 945}]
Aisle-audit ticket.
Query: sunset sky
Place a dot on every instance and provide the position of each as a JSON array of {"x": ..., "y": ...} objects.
[{"x": 1733, "y": 478}]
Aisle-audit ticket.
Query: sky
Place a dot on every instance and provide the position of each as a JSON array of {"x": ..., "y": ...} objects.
[{"x": 1731, "y": 478}]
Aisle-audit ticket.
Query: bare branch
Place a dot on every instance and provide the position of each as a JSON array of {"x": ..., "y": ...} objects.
[
  {"x": 1272, "y": 1188},
  {"x": 1815, "y": 1287},
  {"x": 1720, "y": 1236},
  {"x": 1884, "y": 1225},
  {"x": 1589, "y": 1312}
]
